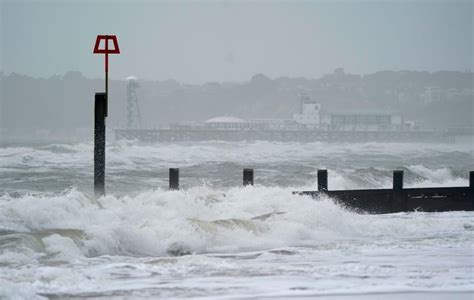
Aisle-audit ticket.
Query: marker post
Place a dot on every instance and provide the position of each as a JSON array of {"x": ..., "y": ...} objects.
[{"x": 100, "y": 113}]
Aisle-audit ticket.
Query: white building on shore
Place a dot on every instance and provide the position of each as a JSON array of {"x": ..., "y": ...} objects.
[
  {"x": 366, "y": 120},
  {"x": 312, "y": 118},
  {"x": 226, "y": 122},
  {"x": 310, "y": 115}
]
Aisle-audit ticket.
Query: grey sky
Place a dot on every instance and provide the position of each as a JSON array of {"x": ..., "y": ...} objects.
[{"x": 231, "y": 41}]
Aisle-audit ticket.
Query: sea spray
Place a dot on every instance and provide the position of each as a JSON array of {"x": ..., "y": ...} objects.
[
  {"x": 252, "y": 218},
  {"x": 214, "y": 237}
]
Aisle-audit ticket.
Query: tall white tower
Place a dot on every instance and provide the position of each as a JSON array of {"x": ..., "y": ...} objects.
[{"x": 133, "y": 110}]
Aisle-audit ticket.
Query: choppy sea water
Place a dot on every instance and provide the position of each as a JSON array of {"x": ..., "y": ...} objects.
[{"x": 215, "y": 239}]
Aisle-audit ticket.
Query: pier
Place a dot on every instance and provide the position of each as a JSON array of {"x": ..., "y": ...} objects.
[{"x": 302, "y": 135}]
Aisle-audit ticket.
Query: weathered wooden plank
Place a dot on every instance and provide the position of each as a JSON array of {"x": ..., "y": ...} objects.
[
  {"x": 174, "y": 179},
  {"x": 438, "y": 199},
  {"x": 423, "y": 199},
  {"x": 248, "y": 177}
]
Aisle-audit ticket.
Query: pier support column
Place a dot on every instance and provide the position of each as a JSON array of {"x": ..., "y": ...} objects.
[
  {"x": 399, "y": 201},
  {"x": 100, "y": 112},
  {"x": 323, "y": 181},
  {"x": 248, "y": 177},
  {"x": 174, "y": 179}
]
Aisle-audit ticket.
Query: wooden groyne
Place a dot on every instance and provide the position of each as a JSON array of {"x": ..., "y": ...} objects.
[
  {"x": 381, "y": 201},
  {"x": 398, "y": 198}
]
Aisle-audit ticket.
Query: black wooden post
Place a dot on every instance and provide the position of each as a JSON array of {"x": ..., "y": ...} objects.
[
  {"x": 398, "y": 196},
  {"x": 322, "y": 180},
  {"x": 248, "y": 177},
  {"x": 471, "y": 188},
  {"x": 397, "y": 180},
  {"x": 100, "y": 112},
  {"x": 174, "y": 179}
]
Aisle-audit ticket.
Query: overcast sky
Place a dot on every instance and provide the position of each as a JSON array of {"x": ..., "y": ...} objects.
[{"x": 204, "y": 41}]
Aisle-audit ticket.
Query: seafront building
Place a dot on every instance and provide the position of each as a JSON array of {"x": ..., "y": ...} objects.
[
  {"x": 311, "y": 117},
  {"x": 312, "y": 123}
]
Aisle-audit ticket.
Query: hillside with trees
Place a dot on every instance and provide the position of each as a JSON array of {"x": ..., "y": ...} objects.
[{"x": 436, "y": 100}]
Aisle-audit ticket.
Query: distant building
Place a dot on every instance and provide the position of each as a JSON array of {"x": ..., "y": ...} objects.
[
  {"x": 431, "y": 94},
  {"x": 226, "y": 122},
  {"x": 454, "y": 93},
  {"x": 366, "y": 120},
  {"x": 310, "y": 113},
  {"x": 229, "y": 122},
  {"x": 274, "y": 124},
  {"x": 312, "y": 118}
]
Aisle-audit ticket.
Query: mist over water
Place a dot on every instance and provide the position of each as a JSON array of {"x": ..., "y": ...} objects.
[{"x": 56, "y": 240}]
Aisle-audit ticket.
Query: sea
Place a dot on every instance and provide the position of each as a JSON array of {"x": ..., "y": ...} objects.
[{"x": 215, "y": 238}]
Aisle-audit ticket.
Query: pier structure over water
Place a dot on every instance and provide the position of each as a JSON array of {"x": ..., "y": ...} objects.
[
  {"x": 311, "y": 124},
  {"x": 303, "y": 135}
]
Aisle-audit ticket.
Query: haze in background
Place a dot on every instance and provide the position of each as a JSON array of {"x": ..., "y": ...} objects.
[
  {"x": 203, "y": 59},
  {"x": 232, "y": 41}
]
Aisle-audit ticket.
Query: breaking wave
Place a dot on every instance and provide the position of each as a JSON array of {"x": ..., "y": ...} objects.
[
  {"x": 57, "y": 241},
  {"x": 198, "y": 220}
]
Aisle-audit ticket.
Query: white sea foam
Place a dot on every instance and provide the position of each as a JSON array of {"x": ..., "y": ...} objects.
[
  {"x": 253, "y": 241},
  {"x": 201, "y": 219},
  {"x": 125, "y": 153},
  {"x": 314, "y": 242},
  {"x": 435, "y": 177}
]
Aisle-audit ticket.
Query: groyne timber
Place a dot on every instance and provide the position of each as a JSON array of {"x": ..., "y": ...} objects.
[
  {"x": 380, "y": 201},
  {"x": 398, "y": 198}
]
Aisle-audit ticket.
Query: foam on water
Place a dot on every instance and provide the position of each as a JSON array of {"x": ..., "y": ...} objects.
[
  {"x": 126, "y": 153},
  {"x": 74, "y": 246},
  {"x": 200, "y": 219},
  {"x": 137, "y": 167},
  {"x": 57, "y": 241},
  {"x": 56, "y": 235}
]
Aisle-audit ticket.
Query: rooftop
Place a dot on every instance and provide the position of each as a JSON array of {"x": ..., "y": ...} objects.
[
  {"x": 364, "y": 112},
  {"x": 226, "y": 119}
]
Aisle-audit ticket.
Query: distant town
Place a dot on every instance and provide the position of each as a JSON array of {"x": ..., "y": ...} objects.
[{"x": 386, "y": 100}]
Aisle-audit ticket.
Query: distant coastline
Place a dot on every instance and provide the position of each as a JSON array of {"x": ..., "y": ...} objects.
[{"x": 441, "y": 99}]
